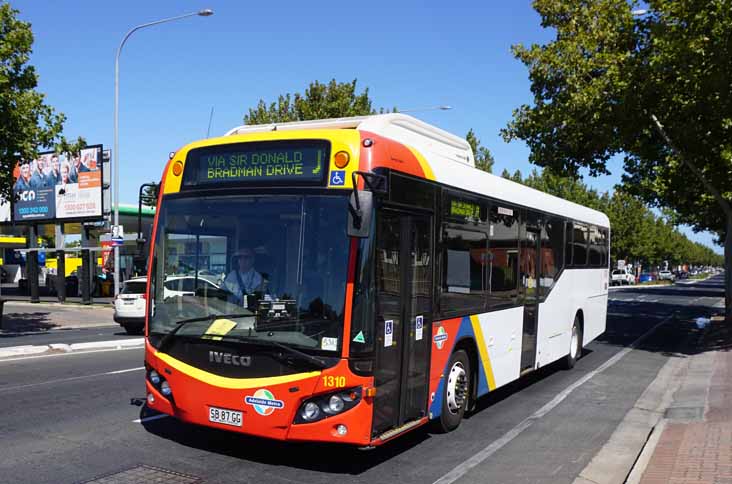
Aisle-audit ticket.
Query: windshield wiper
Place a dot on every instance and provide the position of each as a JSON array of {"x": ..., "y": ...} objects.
[
  {"x": 210, "y": 318},
  {"x": 302, "y": 355}
]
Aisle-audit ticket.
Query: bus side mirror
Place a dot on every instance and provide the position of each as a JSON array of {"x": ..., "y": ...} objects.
[{"x": 360, "y": 210}]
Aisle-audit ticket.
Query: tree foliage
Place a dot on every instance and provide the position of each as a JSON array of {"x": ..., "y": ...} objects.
[
  {"x": 320, "y": 101},
  {"x": 597, "y": 83},
  {"x": 483, "y": 157},
  {"x": 26, "y": 122}
]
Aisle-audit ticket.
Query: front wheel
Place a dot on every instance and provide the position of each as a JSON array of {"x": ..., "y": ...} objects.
[
  {"x": 456, "y": 392},
  {"x": 575, "y": 346}
]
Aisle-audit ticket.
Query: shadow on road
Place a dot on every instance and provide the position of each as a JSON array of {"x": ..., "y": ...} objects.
[
  {"x": 26, "y": 322},
  {"x": 312, "y": 456}
]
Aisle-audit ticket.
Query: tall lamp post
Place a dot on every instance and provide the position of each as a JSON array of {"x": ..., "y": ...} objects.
[{"x": 115, "y": 152}]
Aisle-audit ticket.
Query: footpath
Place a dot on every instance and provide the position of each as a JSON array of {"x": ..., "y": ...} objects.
[
  {"x": 21, "y": 320},
  {"x": 680, "y": 429},
  {"x": 693, "y": 442}
]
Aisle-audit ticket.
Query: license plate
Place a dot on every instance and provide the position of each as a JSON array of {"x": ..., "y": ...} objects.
[
  {"x": 224, "y": 416},
  {"x": 128, "y": 301}
]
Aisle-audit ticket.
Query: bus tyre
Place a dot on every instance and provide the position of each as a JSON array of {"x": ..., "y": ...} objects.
[
  {"x": 575, "y": 346},
  {"x": 456, "y": 392}
]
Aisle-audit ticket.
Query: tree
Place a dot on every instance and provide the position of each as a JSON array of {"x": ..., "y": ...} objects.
[
  {"x": 320, "y": 101},
  {"x": 26, "y": 122},
  {"x": 483, "y": 157},
  {"x": 596, "y": 85},
  {"x": 70, "y": 147}
]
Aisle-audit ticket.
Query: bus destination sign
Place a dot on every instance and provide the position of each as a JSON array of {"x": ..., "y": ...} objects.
[{"x": 298, "y": 162}]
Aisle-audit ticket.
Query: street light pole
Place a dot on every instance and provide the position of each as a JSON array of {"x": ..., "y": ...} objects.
[{"x": 115, "y": 152}]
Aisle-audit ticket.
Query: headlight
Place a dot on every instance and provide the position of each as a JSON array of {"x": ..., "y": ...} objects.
[
  {"x": 328, "y": 405},
  {"x": 165, "y": 389},
  {"x": 154, "y": 377},
  {"x": 335, "y": 404},
  {"x": 310, "y": 411}
]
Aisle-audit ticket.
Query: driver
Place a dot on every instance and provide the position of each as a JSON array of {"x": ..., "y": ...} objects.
[{"x": 244, "y": 279}]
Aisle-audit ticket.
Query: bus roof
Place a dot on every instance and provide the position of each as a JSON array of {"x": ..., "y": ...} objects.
[
  {"x": 450, "y": 157},
  {"x": 434, "y": 143}
]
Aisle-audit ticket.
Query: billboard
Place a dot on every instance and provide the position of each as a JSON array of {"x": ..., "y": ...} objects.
[{"x": 59, "y": 187}]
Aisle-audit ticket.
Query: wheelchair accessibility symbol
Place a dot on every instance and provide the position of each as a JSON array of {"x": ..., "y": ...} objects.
[{"x": 338, "y": 178}]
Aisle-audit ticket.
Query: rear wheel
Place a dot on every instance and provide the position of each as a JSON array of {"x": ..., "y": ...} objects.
[
  {"x": 456, "y": 392},
  {"x": 575, "y": 345}
]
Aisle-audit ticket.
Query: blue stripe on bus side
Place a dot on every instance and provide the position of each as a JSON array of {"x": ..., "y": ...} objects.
[{"x": 465, "y": 331}]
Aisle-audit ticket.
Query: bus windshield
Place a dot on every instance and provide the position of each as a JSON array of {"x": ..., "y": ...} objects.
[{"x": 273, "y": 267}]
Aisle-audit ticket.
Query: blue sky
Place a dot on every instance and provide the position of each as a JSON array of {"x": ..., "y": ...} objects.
[{"x": 409, "y": 54}]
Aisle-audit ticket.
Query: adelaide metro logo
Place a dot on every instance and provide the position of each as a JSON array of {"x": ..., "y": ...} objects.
[
  {"x": 264, "y": 402},
  {"x": 440, "y": 337}
]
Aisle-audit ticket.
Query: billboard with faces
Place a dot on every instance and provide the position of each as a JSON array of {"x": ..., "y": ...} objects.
[{"x": 59, "y": 187}]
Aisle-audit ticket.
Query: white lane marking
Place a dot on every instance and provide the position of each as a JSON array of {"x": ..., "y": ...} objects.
[
  {"x": 72, "y": 378},
  {"x": 71, "y": 353},
  {"x": 117, "y": 372},
  {"x": 148, "y": 419},
  {"x": 461, "y": 469}
]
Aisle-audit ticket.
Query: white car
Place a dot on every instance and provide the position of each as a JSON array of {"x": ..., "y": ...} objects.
[
  {"x": 186, "y": 285},
  {"x": 129, "y": 305},
  {"x": 666, "y": 276},
  {"x": 621, "y": 277}
]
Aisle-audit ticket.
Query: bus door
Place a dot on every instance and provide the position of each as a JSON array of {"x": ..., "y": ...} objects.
[
  {"x": 403, "y": 318},
  {"x": 530, "y": 270}
]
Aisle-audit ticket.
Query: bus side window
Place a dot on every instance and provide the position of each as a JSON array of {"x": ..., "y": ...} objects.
[
  {"x": 503, "y": 257},
  {"x": 465, "y": 273},
  {"x": 580, "y": 240},
  {"x": 552, "y": 253},
  {"x": 596, "y": 247},
  {"x": 568, "y": 232}
]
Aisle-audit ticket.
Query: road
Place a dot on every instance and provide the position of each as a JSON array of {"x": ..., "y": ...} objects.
[{"x": 71, "y": 418}]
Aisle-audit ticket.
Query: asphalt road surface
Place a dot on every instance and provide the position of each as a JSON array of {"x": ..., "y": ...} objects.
[{"x": 71, "y": 418}]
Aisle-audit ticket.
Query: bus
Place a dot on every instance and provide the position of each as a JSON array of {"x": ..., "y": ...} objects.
[{"x": 349, "y": 280}]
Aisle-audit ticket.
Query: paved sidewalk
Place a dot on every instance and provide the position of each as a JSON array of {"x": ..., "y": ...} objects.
[{"x": 695, "y": 445}]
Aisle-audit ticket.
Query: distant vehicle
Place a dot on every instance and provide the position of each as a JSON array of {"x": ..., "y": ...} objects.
[
  {"x": 682, "y": 275},
  {"x": 666, "y": 275},
  {"x": 129, "y": 305},
  {"x": 645, "y": 277},
  {"x": 621, "y": 277}
]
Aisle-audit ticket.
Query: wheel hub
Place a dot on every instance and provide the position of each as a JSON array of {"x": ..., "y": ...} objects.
[{"x": 457, "y": 387}]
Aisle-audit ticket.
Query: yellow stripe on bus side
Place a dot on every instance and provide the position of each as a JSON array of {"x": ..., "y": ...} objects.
[
  {"x": 484, "y": 357},
  {"x": 231, "y": 383}
]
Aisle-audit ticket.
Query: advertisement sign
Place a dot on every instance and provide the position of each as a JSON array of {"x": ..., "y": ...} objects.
[{"x": 58, "y": 186}]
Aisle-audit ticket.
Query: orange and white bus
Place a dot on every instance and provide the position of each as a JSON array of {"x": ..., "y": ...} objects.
[{"x": 286, "y": 302}]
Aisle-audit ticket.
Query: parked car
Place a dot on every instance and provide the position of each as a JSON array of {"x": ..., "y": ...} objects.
[
  {"x": 666, "y": 275},
  {"x": 645, "y": 277},
  {"x": 129, "y": 305},
  {"x": 621, "y": 277}
]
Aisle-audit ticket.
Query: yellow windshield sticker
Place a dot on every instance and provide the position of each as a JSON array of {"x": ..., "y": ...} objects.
[{"x": 219, "y": 328}]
